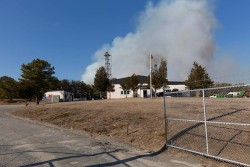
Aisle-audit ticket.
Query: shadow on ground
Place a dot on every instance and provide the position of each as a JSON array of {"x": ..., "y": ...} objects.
[{"x": 76, "y": 155}]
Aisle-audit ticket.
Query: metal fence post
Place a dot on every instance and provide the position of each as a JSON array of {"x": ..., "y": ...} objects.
[
  {"x": 165, "y": 115},
  {"x": 205, "y": 119}
]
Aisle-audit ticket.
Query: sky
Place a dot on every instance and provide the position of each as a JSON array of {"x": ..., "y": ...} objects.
[{"x": 68, "y": 33}]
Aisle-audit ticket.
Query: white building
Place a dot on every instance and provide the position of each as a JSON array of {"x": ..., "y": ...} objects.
[
  {"x": 59, "y": 96},
  {"x": 143, "y": 90}
]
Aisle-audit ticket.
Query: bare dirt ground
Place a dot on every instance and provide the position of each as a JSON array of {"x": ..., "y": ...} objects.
[
  {"x": 140, "y": 122},
  {"x": 228, "y": 130}
]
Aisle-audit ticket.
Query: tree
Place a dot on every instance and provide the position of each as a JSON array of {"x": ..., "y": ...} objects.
[
  {"x": 89, "y": 91},
  {"x": 198, "y": 77},
  {"x": 80, "y": 89},
  {"x": 133, "y": 84},
  {"x": 65, "y": 85},
  {"x": 159, "y": 76},
  {"x": 25, "y": 91},
  {"x": 223, "y": 84},
  {"x": 162, "y": 72},
  {"x": 101, "y": 81},
  {"x": 8, "y": 87},
  {"x": 54, "y": 84},
  {"x": 39, "y": 74},
  {"x": 125, "y": 84},
  {"x": 155, "y": 80}
]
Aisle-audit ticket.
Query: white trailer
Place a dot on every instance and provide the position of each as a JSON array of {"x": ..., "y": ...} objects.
[{"x": 59, "y": 96}]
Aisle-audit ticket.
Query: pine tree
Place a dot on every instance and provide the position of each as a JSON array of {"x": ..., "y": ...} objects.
[
  {"x": 125, "y": 85},
  {"x": 162, "y": 72},
  {"x": 8, "y": 87},
  {"x": 39, "y": 74},
  {"x": 198, "y": 77},
  {"x": 101, "y": 81},
  {"x": 159, "y": 76},
  {"x": 25, "y": 91},
  {"x": 133, "y": 82}
]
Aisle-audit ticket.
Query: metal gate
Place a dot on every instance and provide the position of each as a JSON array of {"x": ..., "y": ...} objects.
[{"x": 213, "y": 122}]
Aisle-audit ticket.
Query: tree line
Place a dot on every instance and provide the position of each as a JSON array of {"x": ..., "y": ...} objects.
[
  {"x": 197, "y": 78},
  {"x": 104, "y": 84},
  {"x": 37, "y": 78}
]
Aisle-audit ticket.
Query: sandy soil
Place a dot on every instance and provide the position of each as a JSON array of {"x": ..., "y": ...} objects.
[{"x": 140, "y": 122}]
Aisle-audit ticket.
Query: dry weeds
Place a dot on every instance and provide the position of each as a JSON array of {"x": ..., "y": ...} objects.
[{"x": 140, "y": 122}]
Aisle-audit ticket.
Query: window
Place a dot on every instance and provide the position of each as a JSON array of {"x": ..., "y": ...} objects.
[
  {"x": 175, "y": 90},
  {"x": 125, "y": 92}
]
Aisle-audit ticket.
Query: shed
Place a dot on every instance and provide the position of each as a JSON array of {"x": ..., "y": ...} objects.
[{"x": 59, "y": 96}]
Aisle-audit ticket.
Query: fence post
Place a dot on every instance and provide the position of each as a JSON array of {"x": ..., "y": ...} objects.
[
  {"x": 165, "y": 115},
  {"x": 205, "y": 118}
]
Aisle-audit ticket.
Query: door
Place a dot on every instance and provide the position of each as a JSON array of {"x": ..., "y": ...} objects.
[{"x": 145, "y": 94}]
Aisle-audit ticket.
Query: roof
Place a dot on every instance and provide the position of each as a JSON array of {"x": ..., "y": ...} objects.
[
  {"x": 176, "y": 83},
  {"x": 53, "y": 91},
  {"x": 143, "y": 79}
]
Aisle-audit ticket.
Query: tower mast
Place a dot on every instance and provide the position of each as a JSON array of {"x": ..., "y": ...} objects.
[{"x": 108, "y": 64}]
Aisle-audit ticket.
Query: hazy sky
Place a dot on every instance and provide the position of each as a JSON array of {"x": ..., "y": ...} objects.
[{"x": 68, "y": 33}]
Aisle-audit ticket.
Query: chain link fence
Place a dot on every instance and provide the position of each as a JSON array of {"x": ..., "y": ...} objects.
[{"x": 213, "y": 122}]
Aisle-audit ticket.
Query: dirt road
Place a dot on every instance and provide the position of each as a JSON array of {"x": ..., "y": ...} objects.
[{"x": 26, "y": 143}]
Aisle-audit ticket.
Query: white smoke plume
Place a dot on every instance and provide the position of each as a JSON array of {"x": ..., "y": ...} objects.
[{"x": 180, "y": 31}]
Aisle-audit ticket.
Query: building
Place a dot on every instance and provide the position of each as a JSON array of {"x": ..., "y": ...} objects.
[
  {"x": 58, "y": 96},
  {"x": 143, "y": 90}
]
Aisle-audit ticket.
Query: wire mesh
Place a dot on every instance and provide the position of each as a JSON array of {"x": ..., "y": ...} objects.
[{"x": 214, "y": 122}]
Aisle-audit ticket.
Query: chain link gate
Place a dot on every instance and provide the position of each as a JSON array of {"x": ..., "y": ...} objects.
[{"x": 213, "y": 122}]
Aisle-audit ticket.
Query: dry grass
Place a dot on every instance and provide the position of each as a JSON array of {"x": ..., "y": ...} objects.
[{"x": 140, "y": 122}]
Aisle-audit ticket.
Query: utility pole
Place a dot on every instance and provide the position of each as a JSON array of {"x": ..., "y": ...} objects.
[{"x": 150, "y": 75}]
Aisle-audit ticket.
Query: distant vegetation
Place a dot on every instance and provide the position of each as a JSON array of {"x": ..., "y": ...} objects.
[
  {"x": 159, "y": 76},
  {"x": 130, "y": 83},
  {"x": 36, "y": 79},
  {"x": 198, "y": 78},
  {"x": 102, "y": 82}
]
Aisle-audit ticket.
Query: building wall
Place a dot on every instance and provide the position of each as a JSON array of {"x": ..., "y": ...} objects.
[
  {"x": 64, "y": 96},
  {"x": 140, "y": 93},
  {"x": 119, "y": 93}
]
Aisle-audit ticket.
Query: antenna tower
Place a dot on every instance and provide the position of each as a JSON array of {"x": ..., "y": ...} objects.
[{"x": 108, "y": 64}]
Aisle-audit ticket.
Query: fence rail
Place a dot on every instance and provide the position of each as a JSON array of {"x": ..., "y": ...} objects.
[{"x": 213, "y": 122}]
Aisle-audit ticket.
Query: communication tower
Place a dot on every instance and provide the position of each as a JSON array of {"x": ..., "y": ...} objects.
[{"x": 108, "y": 64}]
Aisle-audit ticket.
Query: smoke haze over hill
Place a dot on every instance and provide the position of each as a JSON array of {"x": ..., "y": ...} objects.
[{"x": 180, "y": 31}]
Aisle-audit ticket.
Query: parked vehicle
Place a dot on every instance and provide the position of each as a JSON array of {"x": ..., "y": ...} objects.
[{"x": 214, "y": 96}]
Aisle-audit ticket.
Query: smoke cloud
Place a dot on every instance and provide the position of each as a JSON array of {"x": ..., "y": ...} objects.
[{"x": 180, "y": 31}]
